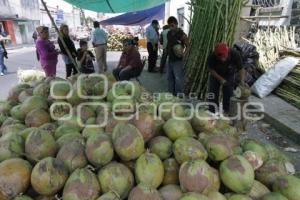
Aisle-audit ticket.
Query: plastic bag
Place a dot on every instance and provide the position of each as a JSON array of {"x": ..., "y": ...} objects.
[{"x": 272, "y": 78}]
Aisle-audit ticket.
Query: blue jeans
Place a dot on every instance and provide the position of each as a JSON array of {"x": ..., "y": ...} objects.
[
  {"x": 3, "y": 68},
  {"x": 175, "y": 77}
]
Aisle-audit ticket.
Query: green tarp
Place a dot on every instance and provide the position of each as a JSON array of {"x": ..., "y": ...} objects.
[{"x": 115, "y": 6}]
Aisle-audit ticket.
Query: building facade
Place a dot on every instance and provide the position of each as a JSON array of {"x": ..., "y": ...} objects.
[
  {"x": 19, "y": 19},
  {"x": 180, "y": 10}
]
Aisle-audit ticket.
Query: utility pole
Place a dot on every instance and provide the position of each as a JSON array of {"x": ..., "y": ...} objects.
[{"x": 60, "y": 36}]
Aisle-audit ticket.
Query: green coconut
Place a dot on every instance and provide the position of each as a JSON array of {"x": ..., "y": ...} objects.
[
  {"x": 270, "y": 171},
  {"x": 146, "y": 125},
  {"x": 41, "y": 197},
  {"x": 203, "y": 121},
  {"x": 60, "y": 89},
  {"x": 13, "y": 128},
  {"x": 99, "y": 149},
  {"x": 69, "y": 138},
  {"x": 11, "y": 146},
  {"x": 23, "y": 197},
  {"x": 188, "y": 149},
  {"x": 6, "y": 106},
  {"x": 288, "y": 186},
  {"x": 43, "y": 89},
  {"x": 25, "y": 94},
  {"x": 89, "y": 131},
  {"x": 37, "y": 117},
  {"x": 170, "y": 192},
  {"x": 66, "y": 129},
  {"x": 237, "y": 174},
  {"x": 258, "y": 190},
  {"x": 85, "y": 113},
  {"x": 214, "y": 182},
  {"x": 144, "y": 192},
  {"x": 193, "y": 196},
  {"x": 171, "y": 168},
  {"x": 60, "y": 109},
  {"x": 34, "y": 102},
  {"x": 254, "y": 159},
  {"x": 161, "y": 146},
  {"x": 26, "y": 132},
  {"x": 73, "y": 156},
  {"x": 239, "y": 197},
  {"x": 216, "y": 196},
  {"x": 10, "y": 121},
  {"x": 175, "y": 129},
  {"x": 109, "y": 196},
  {"x": 149, "y": 170},
  {"x": 49, "y": 127},
  {"x": 274, "y": 196},
  {"x": 81, "y": 185},
  {"x": 2, "y": 119},
  {"x": 14, "y": 177},
  {"x": 49, "y": 176},
  {"x": 116, "y": 177},
  {"x": 16, "y": 113},
  {"x": 74, "y": 99},
  {"x": 171, "y": 110},
  {"x": 194, "y": 176},
  {"x": 39, "y": 144},
  {"x": 257, "y": 147},
  {"x": 16, "y": 90},
  {"x": 128, "y": 141},
  {"x": 220, "y": 147}
]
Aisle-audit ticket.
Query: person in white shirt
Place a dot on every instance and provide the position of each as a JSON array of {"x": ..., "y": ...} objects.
[
  {"x": 152, "y": 44},
  {"x": 99, "y": 41}
]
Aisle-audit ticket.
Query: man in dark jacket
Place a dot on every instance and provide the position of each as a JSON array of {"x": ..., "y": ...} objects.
[{"x": 223, "y": 63}]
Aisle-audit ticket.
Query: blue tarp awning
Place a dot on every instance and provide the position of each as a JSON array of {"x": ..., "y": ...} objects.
[{"x": 139, "y": 18}]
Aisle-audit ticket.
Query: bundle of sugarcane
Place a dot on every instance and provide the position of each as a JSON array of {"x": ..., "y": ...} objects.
[
  {"x": 270, "y": 44},
  {"x": 213, "y": 21},
  {"x": 289, "y": 89}
]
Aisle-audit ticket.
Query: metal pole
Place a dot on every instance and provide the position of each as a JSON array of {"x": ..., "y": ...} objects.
[{"x": 60, "y": 37}]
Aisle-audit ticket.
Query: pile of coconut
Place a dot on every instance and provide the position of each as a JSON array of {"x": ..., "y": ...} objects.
[{"x": 71, "y": 140}]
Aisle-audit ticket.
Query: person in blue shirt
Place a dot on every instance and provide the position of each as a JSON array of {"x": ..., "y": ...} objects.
[
  {"x": 3, "y": 54},
  {"x": 152, "y": 44},
  {"x": 99, "y": 41}
]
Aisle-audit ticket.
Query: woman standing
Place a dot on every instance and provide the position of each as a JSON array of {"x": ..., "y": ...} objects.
[
  {"x": 70, "y": 68},
  {"x": 47, "y": 52}
]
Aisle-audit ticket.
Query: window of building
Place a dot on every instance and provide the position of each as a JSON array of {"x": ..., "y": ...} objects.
[
  {"x": 267, "y": 3},
  {"x": 180, "y": 16}
]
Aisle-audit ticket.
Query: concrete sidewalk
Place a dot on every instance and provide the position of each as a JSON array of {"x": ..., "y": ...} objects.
[{"x": 281, "y": 115}]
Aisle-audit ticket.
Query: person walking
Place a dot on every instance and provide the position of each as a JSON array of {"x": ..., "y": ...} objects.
[
  {"x": 177, "y": 42},
  {"x": 3, "y": 54},
  {"x": 70, "y": 67},
  {"x": 152, "y": 44},
  {"x": 164, "y": 43},
  {"x": 47, "y": 52},
  {"x": 223, "y": 63},
  {"x": 99, "y": 41}
]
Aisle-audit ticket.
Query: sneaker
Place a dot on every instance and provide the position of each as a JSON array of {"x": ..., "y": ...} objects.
[{"x": 1, "y": 74}]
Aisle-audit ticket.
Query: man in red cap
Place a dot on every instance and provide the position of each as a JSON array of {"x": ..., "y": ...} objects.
[{"x": 224, "y": 63}]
